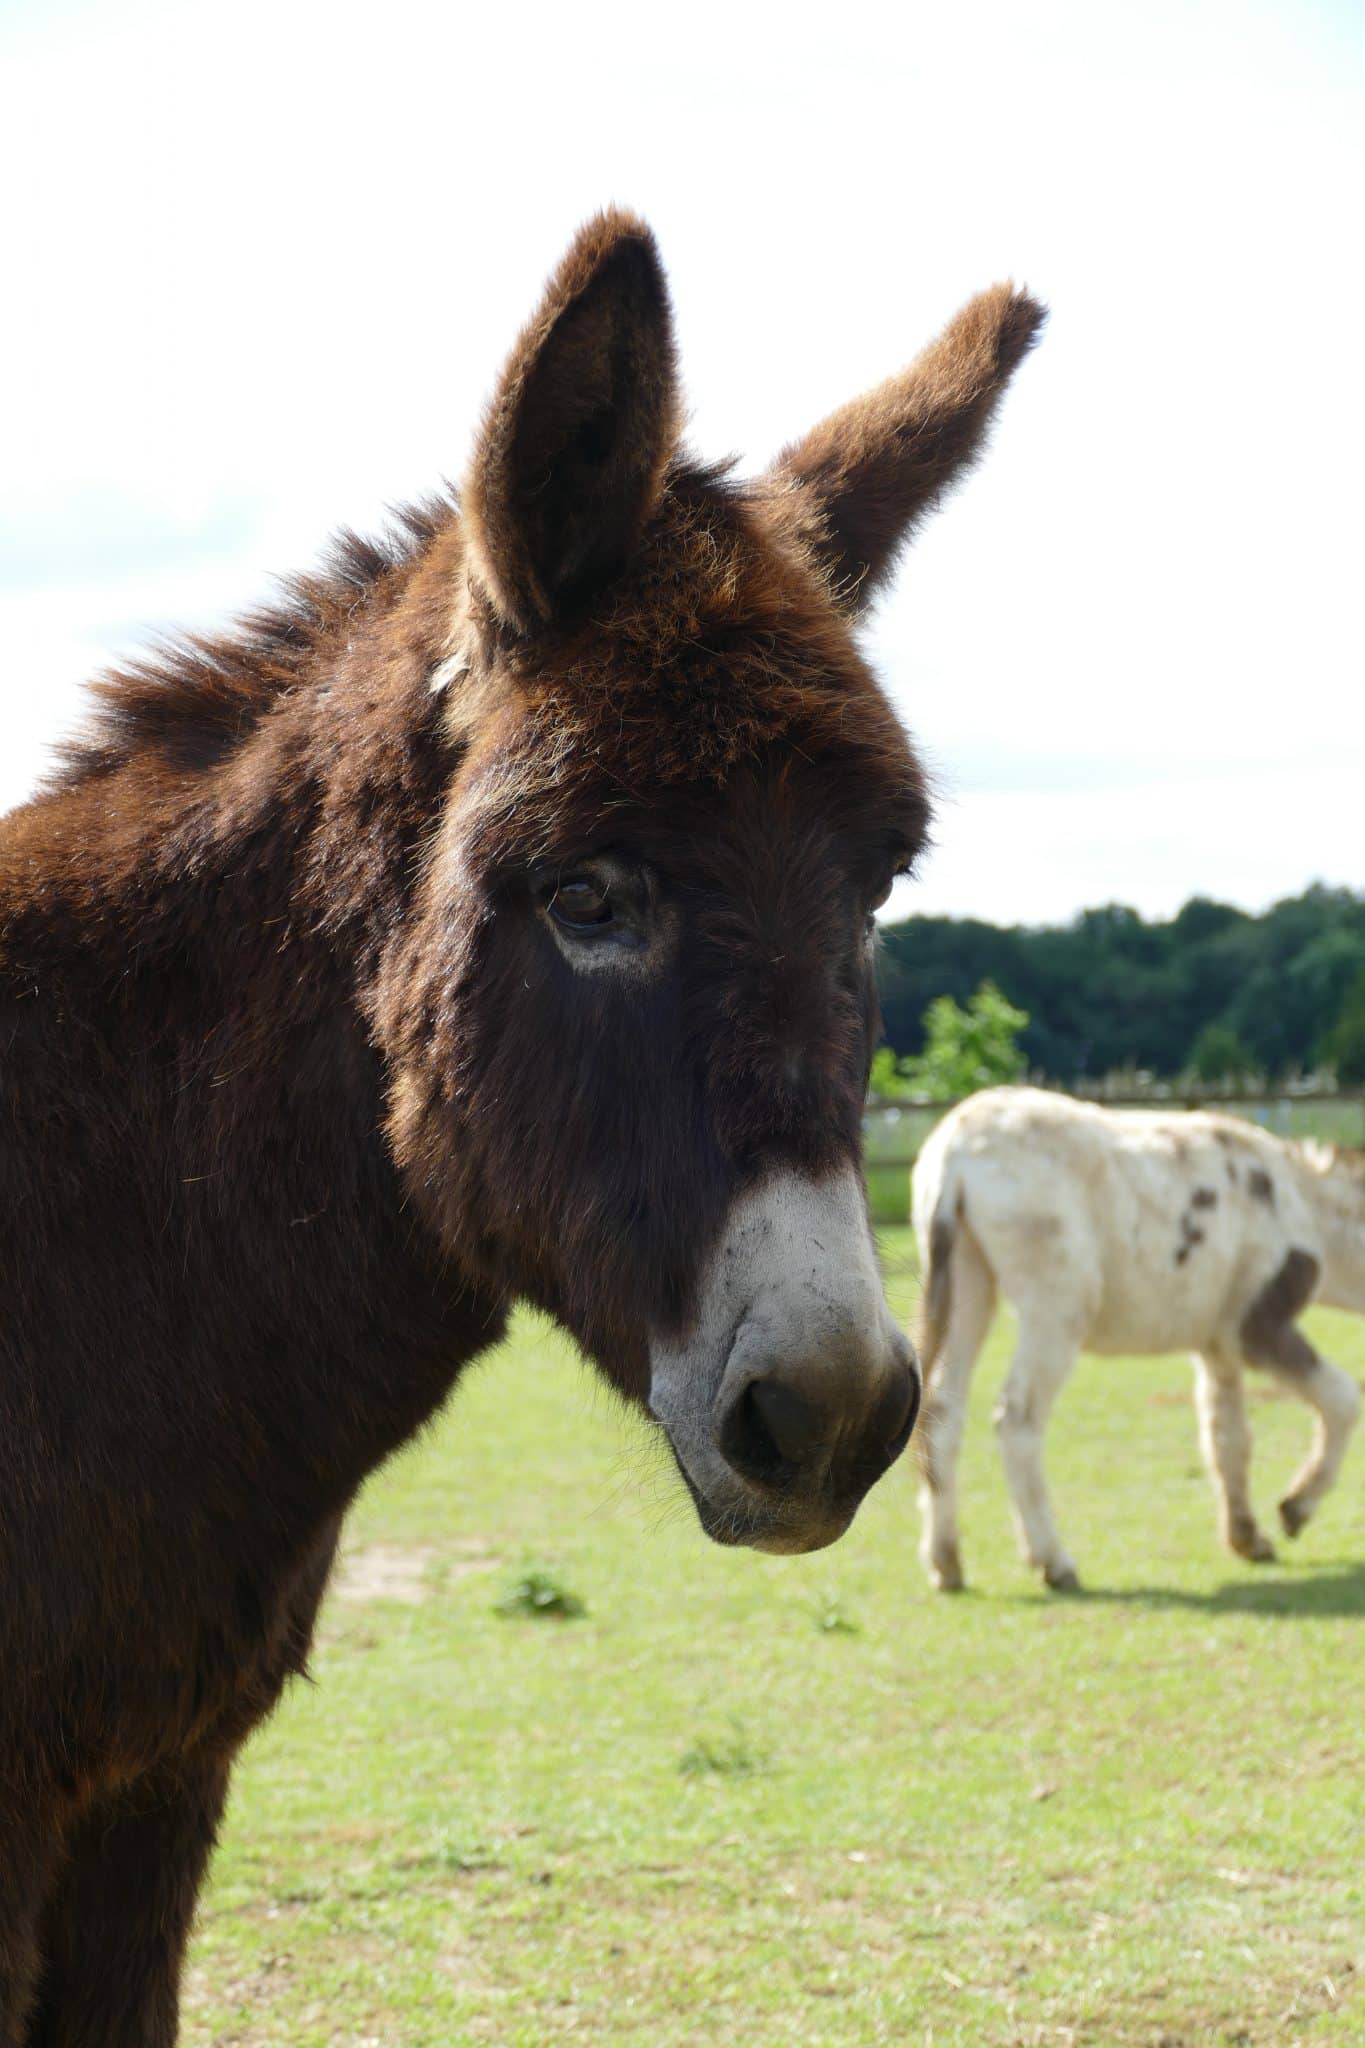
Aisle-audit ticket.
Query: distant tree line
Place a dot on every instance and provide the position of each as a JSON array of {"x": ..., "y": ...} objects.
[{"x": 1213, "y": 992}]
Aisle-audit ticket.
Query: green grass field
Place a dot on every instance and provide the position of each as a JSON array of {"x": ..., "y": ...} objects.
[{"x": 807, "y": 1801}]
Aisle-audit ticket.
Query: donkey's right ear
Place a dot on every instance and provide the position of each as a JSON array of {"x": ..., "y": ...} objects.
[
  {"x": 572, "y": 453},
  {"x": 869, "y": 473}
]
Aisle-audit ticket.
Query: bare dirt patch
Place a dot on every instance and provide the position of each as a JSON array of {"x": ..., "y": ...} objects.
[
  {"x": 387, "y": 1571},
  {"x": 384, "y": 1572}
]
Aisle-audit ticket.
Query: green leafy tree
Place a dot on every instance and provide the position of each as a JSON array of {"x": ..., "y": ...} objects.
[
  {"x": 967, "y": 1049},
  {"x": 887, "y": 1083},
  {"x": 1344, "y": 1045},
  {"x": 1218, "y": 1055},
  {"x": 1109, "y": 991}
]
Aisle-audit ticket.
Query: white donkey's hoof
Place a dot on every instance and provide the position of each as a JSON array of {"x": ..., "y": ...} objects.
[
  {"x": 1293, "y": 1515},
  {"x": 1062, "y": 1577},
  {"x": 1246, "y": 1540},
  {"x": 945, "y": 1572}
]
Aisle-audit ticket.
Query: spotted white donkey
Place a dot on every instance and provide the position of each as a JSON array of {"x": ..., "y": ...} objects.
[{"x": 1124, "y": 1232}]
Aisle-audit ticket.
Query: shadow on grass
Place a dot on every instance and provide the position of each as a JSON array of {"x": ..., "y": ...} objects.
[{"x": 1336, "y": 1590}]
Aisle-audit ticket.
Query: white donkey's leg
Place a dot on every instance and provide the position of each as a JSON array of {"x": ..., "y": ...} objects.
[
  {"x": 1335, "y": 1397},
  {"x": 1226, "y": 1441},
  {"x": 945, "y": 1408},
  {"x": 1045, "y": 1354},
  {"x": 1272, "y": 1340}
]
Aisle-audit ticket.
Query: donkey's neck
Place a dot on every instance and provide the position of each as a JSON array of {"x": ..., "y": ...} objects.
[
  {"x": 290, "y": 770},
  {"x": 1334, "y": 1183},
  {"x": 186, "y": 950}
]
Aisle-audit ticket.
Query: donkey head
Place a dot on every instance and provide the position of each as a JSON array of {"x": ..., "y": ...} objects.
[{"x": 636, "y": 1007}]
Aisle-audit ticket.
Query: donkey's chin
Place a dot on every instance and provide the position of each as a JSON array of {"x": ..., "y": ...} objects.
[
  {"x": 782, "y": 1538},
  {"x": 738, "y": 1518}
]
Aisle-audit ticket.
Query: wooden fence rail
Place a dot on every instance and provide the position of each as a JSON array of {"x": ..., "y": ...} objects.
[{"x": 1338, "y": 1116}]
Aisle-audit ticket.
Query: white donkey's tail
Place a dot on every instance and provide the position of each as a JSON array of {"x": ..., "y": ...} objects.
[
  {"x": 937, "y": 1191},
  {"x": 936, "y": 1304}
]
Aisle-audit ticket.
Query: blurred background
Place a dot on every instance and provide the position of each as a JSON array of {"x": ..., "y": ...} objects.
[
  {"x": 569, "y": 1774},
  {"x": 262, "y": 267}
]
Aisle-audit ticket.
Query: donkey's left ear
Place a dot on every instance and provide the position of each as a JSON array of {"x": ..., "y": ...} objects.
[
  {"x": 573, "y": 450},
  {"x": 867, "y": 475}
]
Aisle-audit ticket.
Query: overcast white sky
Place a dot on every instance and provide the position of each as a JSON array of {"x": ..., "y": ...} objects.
[{"x": 263, "y": 262}]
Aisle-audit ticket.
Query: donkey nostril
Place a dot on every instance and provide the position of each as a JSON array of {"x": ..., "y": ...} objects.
[
  {"x": 903, "y": 1428},
  {"x": 793, "y": 1422},
  {"x": 892, "y": 1421},
  {"x": 768, "y": 1432},
  {"x": 775, "y": 1435}
]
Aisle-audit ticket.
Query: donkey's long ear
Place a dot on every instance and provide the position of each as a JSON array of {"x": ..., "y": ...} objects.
[
  {"x": 871, "y": 471},
  {"x": 573, "y": 450}
]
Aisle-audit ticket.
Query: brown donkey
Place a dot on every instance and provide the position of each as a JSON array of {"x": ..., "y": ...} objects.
[{"x": 490, "y": 919}]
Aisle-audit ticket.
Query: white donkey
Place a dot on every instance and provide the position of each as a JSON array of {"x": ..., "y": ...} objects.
[{"x": 1120, "y": 1232}]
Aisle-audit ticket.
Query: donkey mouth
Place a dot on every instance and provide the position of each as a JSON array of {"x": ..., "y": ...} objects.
[{"x": 782, "y": 1525}]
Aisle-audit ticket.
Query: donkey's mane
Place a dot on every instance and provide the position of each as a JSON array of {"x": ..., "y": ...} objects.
[{"x": 195, "y": 697}]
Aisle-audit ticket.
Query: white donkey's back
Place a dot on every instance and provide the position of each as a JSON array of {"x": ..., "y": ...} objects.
[{"x": 1127, "y": 1232}]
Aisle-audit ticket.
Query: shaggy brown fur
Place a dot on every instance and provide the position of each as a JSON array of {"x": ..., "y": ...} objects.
[{"x": 297, "y": 1094}]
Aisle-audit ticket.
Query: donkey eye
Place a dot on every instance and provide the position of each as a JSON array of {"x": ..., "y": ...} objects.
[
  {"x": 879, "y": 896},
  {"x": 581, "y": 903}
]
